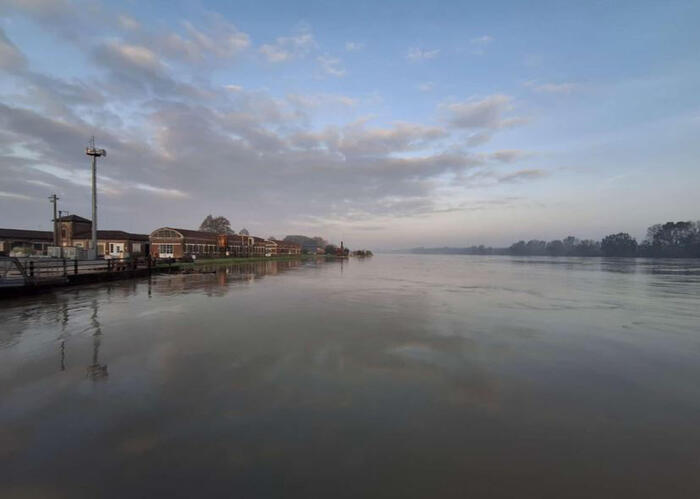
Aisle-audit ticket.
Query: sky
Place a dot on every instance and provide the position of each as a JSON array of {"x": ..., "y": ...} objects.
[{"x": 385, "y": 124}]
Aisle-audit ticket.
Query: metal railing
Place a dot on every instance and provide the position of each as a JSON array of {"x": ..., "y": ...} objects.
[{"x": 27, "y": 271}]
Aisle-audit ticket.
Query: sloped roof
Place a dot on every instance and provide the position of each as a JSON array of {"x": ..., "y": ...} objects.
[
  {"x": 74, "y": 218},
  {"x": 111, "y": 234},
  {"x": 43, "y": 235}
]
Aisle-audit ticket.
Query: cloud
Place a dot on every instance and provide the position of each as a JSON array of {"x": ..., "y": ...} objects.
[
  {"x": 46, "y": 7},
  {"x": 354, "y": 46},
  {"x": 10, "y": 56},
  {"x": 133, "y": 55},
  {"x": 479, "y": 44},
  {"x": 356, "y": 140},
  {"x": 14, "y": 195},
  {"x": 426, "y": 86},
  {"x": 552, "y": 88},
  {"x": 287, "y": 48},
  {"x": 73, "y": 21},
  {"x": 178, "y": 140},
  {"x": 128, "y": 23},
  {"x": 220, "y": 39},
  {"x": 418, "y": 54},
  {"x": 163, "y": 192},
  {"x": 479, "y": 138},
  {"x": 509, "y": 155},
  {"x": 315, "y": 101},
  {"x": 481, "y": 40},
  {"x": 331, "y": 65},
  {"x": 522, "y": 175},
  {"x": 488, "y": 113}
]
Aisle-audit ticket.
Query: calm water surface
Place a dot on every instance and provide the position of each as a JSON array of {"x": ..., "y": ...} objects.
[{"x": 396, "y": 376}]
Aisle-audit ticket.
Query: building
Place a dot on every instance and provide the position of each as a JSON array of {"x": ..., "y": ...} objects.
[
  {"x": 259, "y": 246},
  {"x": 237, "y": 245},
  {"x": 286, "y": 248},
  {"x": 168, "y": 242},
  {"x": 73, "y": 232},
  {"x": 270, "y": 247},
  {"x": 14, "y": 242}
]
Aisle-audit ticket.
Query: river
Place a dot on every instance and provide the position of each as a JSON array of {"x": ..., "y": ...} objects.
[{"x": 393, "y": 376}]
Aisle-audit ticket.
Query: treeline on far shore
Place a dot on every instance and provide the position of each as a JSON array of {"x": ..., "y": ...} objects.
[{"x": 669, "y": 240}]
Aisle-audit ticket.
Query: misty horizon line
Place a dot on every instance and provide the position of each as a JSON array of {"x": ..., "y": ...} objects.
[{"x": 671, "y": 239}]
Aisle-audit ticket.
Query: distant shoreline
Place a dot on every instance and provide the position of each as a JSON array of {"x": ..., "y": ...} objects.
[{"x": 506, "y": 253}]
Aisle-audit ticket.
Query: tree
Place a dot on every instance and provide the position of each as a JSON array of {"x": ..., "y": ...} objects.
[
  {"x": 519, "y": 248},
  {"x": 587, "y": 247},
  {"x": 536, "y": 247},
  {"x": 570, "y": 244},
  {"x": 320, "y": 241},
  {"x": 331, "y": 249},
  {"x": 556, "y": 248},
  {"x": 620, "y": 244},
  {"x": 673, "y": 239},
  {"x": 219, "y": 225},
  {"x": 244, "y": 232},
  {"x": 308, "y": 244}
]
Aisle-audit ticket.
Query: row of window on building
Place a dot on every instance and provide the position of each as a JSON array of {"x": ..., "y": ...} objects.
[
  {"x": 73, "y": 235},
  {"x": 168, "y": 242}
]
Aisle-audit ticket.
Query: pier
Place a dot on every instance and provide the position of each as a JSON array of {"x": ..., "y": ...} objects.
[{"x": 21, "y": 275}]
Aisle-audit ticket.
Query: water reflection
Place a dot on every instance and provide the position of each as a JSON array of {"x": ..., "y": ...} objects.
[
  {"x": 216, "y": 279},
  {"x": 96, "y": 371},
  {"x": 63, "y": 355},
  {"x": 393, "y": 377},
  {"x": 65, "y": 307},
  {"x": 656, "y": 266}
]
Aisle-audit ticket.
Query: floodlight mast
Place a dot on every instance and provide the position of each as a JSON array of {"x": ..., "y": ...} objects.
[
  {"x": 91, "y": 150},
  {"x": 53, "y": 199}
]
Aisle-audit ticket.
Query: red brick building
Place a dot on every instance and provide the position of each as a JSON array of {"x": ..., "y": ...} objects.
[
  {"x": 287, "y": 248},
  {"x": 168, "y": 242}
]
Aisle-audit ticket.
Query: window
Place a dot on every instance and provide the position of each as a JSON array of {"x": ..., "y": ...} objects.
[
  {"x": 166, "y": 233},
  {"x": 165, "y": 249}
]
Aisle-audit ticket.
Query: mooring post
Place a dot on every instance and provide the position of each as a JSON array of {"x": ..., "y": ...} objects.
[
  {"x": 75, "y": 266},
  {"x": 31, "y": 269}
]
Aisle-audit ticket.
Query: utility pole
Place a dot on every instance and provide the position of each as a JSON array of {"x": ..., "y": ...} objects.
[
  {"x": 52, "y": 199},
  {"x": 95, "y": 153}
]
